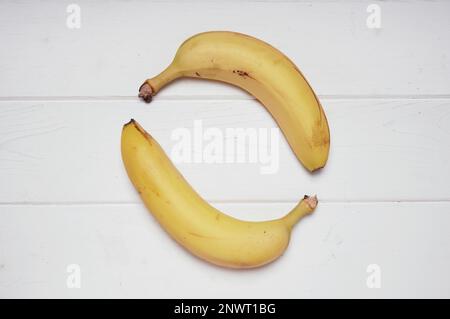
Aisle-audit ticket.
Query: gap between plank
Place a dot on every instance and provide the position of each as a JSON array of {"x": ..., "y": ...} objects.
[
  {"x": 250, "y": 202},
  {"x": 215, "y": 98}
]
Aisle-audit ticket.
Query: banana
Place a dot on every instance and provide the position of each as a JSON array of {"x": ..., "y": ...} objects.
[
  {"x": 264, "y": 72},
  {"x": 190, "y": 220}
]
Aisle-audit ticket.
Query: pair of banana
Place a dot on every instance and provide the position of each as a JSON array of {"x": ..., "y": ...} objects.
[{"x": 275, "y": 81}]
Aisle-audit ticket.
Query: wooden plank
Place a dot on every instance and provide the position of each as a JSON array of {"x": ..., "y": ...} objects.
[
  {"x": 122, "y": 252},
  {"x": 63, "y": 151},
  {"x": 116, "y": 49}
]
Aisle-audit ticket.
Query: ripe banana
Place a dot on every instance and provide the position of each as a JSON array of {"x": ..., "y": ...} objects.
[
  {"x": 264, "y": 72},
  {"x": 190, "y": 220}
]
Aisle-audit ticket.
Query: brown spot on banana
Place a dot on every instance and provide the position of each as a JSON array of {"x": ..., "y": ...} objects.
[{"x": 242, "y": 73}]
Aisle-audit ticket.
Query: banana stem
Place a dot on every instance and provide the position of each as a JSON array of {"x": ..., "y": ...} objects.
[
  {"x": 305, "y": 207},
  {"x": 152, "y": 86}
]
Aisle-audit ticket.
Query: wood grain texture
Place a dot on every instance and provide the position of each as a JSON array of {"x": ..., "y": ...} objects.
[
  {"x": 116, "y": 49},
  {"x": 123, "y": 252},
  {"x": 380, "y": 150},
  {"x": 65, "y": 198}
]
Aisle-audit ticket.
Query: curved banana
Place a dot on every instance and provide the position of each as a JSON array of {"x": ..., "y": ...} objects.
[
  {"x": 264, "y": 72},
  {"x": 190, "y": 220}
]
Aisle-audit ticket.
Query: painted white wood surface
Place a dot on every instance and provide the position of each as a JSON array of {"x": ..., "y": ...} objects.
[
  {"x": 380, "y": 150},
  {"x": 121, "y": 43},
  {"x": 122, "y": 252},
  {"x": 384, "y": 194}
]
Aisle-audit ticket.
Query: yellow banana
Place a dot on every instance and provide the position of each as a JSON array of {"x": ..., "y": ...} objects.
[
  {"x": 190, "y": 220},
  {"x": 264, "y": 72}
]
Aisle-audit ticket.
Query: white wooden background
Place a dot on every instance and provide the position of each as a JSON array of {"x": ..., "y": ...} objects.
[{"x": 65, "y": 198}]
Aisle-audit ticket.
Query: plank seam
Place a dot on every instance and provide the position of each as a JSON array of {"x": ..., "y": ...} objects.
[
  {"x": 212, "y": 98},
  {"x": 131, "y": 203}
]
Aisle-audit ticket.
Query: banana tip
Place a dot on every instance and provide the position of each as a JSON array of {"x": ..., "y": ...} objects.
[
  {"x": 311, "y": 201},
  {"x": 130, "y": 122},
  {"x": 146, "y": 92},
  {"x": 317, "y": 169}
]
